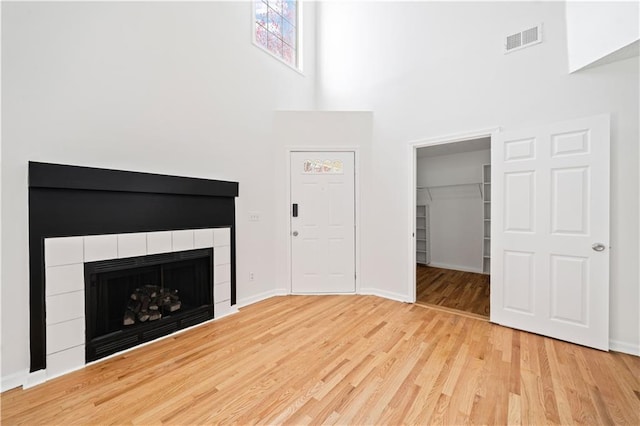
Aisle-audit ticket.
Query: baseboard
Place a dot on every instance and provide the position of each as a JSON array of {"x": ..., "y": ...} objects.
[
  {"x": 14, "y": 380},
  {"x": 261, "y": 296},
  {"x": 456, "y": 267},
  {"x": 232, "y": 311},
  {"x": 34, "y": 379},
  {"x": 386, "y": 294},
  {"x": 51, "y": 376},
  {"x": 624, "y": 347}
]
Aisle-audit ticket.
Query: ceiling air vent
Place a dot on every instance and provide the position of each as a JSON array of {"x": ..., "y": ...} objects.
[{"x": 523, "y": 39}]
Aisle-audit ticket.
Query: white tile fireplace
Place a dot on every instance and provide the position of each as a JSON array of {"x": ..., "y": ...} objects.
[{"x": 64, "y": 259}]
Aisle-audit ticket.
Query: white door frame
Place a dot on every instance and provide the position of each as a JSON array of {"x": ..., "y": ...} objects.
[
  {"x": 413, "y": 168},
  {"x": 356, "y": 156}
]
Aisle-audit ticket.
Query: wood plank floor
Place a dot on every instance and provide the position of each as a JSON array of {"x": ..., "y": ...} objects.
[
  {"x": 350, "y": 360},
  {"x": 462, "y": 291}
]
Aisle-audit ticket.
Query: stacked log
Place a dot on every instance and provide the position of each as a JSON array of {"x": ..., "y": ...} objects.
[{"x": 147, "y": 303}]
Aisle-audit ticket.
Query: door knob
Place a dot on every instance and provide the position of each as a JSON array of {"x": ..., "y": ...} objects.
[
  {"x": 295, "y": 233},
  {"x": 598, "y": 247}
]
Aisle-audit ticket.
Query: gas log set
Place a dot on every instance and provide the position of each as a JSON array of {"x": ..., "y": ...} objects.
[{"x": 147, "y": 304}]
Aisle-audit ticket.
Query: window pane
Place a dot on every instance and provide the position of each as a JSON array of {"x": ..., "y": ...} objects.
[
  {"x": 274, "y": 44},
  {"x": 261, "y": 35},
  {"x": 261, "y": 13},
  {"x": 276, "y": 5},
  {"x": 322, "y": 166},
  {"x": 289, "y": 11},
  {"x": 289, "y": 54},
  {"x": 274, "y": 23},
  {"x": 288, "y": 33}
]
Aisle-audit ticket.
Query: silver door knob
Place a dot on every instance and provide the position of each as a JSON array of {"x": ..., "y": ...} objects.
[
  {"x": 598, "y": 247},
  {"x": 295, "y": 233}
]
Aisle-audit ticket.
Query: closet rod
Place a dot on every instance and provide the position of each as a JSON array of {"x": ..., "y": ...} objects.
[
  {"x": 430, "y": 187},
  {"x": 452, "y": 184}
]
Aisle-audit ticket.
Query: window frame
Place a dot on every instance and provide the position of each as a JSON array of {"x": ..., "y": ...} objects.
[{"x": 298, "y": 66}]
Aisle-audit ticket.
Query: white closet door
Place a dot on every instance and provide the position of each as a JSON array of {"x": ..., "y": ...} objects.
[{"x": 550, "y": 230}]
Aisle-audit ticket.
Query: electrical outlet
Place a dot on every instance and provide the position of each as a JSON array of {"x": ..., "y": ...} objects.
[
  {"x": 250, "y": 276},
  {"x": 254, "y": 216}
]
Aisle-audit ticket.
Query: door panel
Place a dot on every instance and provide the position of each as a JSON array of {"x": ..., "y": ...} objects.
[
  {"x": 519, "y": 271},
  {"x": 323, "y": 251},
  {"x": 550, "y": 205},
  {"x": 519, "y": 204},
  {"x": 569, "y": 196},
  {"x": 569, "y": 282},
  {"x": 518, "y": 150}
]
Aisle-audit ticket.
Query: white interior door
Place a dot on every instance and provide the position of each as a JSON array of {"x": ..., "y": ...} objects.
[
  {"x": 550, "y": 230},
  {"x": 323, "y": 222}
]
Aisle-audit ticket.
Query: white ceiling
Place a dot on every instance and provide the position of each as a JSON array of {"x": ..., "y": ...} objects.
[{"x": 455, "y": 148}]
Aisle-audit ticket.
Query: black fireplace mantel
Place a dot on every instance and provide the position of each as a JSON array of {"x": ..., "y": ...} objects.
[
  {"x": 69, "y": 200},
  {"x": 59, "y": 176}
]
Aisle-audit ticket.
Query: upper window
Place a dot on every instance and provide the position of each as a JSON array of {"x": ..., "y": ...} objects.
[{"x": 276, "y": 28}]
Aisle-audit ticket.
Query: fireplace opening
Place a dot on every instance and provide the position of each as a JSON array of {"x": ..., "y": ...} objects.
[{"x": 133, "y": 300}]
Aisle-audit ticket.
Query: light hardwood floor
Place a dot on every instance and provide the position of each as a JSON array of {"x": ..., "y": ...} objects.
[
  {"x": 342, "y": 360},
  {"x": 461, "y": 291}
]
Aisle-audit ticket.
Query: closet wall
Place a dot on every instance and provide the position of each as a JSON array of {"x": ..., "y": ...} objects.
[{"x": 456, "y": 212}]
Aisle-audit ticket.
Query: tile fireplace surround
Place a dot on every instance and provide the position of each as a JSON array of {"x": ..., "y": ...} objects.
[
  {"x": 65, "y": 287},
  {"x": 82, "y": 214}
]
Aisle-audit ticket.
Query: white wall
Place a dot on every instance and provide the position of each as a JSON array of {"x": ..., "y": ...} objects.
[
  {"x": 438, "y": 68},
  {"x": 173, "y": 88},
  {"x": 457, "y": 224},
  {"x": 598, "y": 29}
]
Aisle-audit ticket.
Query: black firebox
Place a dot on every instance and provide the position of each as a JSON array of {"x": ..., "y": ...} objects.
[{"x": 138, "y": 299}]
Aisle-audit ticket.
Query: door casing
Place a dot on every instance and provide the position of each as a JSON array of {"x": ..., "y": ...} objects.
[{"x": 413, "y": 162}]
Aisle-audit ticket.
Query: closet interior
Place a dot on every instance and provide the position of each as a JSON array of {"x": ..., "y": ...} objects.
[{"x": 453, "y": 225}]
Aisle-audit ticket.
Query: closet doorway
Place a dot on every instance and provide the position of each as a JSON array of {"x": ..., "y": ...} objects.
[{"x": 453, "y": 224}]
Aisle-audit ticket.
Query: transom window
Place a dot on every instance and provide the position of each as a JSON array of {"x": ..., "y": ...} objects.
[{"x": 276, "y": 28}]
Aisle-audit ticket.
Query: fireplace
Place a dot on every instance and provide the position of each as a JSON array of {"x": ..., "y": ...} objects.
[
  {"x": 87, "y": 224},
  {"x": 133, "y": 300}
]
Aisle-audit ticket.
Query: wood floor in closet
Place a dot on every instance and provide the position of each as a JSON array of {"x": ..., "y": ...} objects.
[
  {"x": 347, "y": 360},
  {"x": 449, "y": 289}
]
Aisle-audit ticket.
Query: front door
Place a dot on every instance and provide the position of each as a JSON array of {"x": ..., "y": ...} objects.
[
  {"x": 322, "y": 222},
  {"x": 550, "y": 230}
]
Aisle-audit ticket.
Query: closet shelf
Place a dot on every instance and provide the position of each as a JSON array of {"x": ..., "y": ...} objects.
[
  {"x": 486, "y": 197},
  {"x": 453, "y": 185},
  {"x": 422, "y": 234}
]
